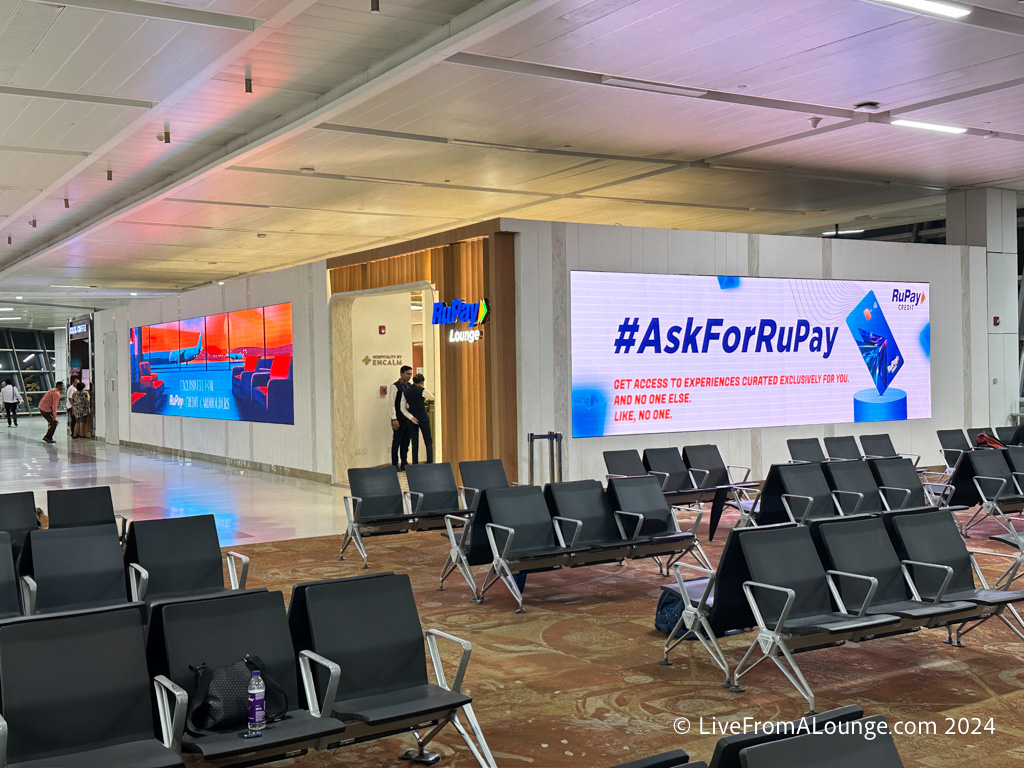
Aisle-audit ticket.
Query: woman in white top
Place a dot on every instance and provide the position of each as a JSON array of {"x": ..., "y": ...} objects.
[{"x": 11, "y": 398}]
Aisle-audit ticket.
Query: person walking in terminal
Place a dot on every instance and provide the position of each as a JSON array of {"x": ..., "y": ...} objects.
[
  {"x": 78, "y": 404},
  {"x": 48, "y": 407},
  {"x": 11, "y": 398},
  {"x": 72, "y": 416},
  {"x": 414, "y": 406},
  {"x": 399, "y": 424}
]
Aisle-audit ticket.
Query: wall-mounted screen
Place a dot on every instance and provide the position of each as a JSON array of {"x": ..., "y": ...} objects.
[
  {"x": 235, "y": 366},
  {"x": 676, "y": 353}
]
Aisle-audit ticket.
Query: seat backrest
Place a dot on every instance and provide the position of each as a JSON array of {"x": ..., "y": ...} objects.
[
  {"x": 878, "y": 445},
  {"x": 709, "y": 459},
  {"x": 1005, "y": 434},
  {"x": 899, "y": 473},
  {"x": 524, "y": 509},
  {"x": 370, "y": 626},
  {"x": 281, "y": 367},
  {"x": 727, "y": 750},
  {"x": 641, "y": 495},
  {"x": 221, "y": 631},
  {"x": 843, "y": 447},
  {"x": 181, "y": 554},
  {"x": 379, "y": 489},
  {"x": 786, "y": 557},
  {"x": 144, "y": 368},
  {"x": 669, "y": 461},
  {"x": 848, "y": 747},
  {"x": 74, "y": 682},
  {"x": 250, "y": 362},
  {"x": 18, "y": 517},
  {"x": 9, "y": 590},
  {"x": 74, "y": 568},
  {"x": 437, "y": 484},
  {"x": 805, "y": 449},
  {"x": 1015, "y": 457},
  {"x": 626, "y": 463},
  {"x": 585, "y": 500},
  {"x": 807, "y": 480},
  {"x": 482, "y": 475},
  {"x": 855, "y": 477},
  {"x": 993, "y": 464},
  {"x": 932, "y": 537},
  {"x": 953, "y": 439},
  {"x": 862, "y": 545},
  {"x": 973, "y": 432},
  {"x": 69, "y": 507}
]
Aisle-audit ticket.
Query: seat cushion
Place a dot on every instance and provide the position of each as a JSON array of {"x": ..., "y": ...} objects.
[
  {"x": 836, "y": 623},
  {"x": 986, "y": 596},
  {"x": 394, "y": 705},
  {"x": 534, "y": 553},
  {"x": 913, "y": 609},
  {"x": 136, "y": 754},
  {"x": 297, "y": 727}
]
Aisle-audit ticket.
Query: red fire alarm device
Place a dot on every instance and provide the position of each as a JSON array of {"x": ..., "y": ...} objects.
[
  {"x": 995, "y": 320},
  {"x": 382, "y": 329},
  {"x": 383, "y": 390}
]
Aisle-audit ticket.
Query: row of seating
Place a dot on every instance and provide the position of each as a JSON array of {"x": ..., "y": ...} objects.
[
  {"x": 839, "y": 579},
  {"x": 838, "y": 738},
  {"x": 76, "y": 688},
  {"x": 845, "y": 448}
]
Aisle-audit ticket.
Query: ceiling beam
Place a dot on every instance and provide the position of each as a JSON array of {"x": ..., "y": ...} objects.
[
  {"x": 164, "y": 11},
  {"x": 42, "y": 151},
  {"x": 87, "y": 98}
]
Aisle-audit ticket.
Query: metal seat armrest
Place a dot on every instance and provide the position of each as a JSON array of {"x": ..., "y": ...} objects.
[
  {"x": 510, "y": 534},
  {"x": 316, "y": 708},
  {"x": 883, "y": 491},
  {"x": 613, "y": 476},
  {"x": 951, "y": 453},
  {"x": 412, "y": 509},
  {"x": 29, "y": 590},
  {"x": 449, "y": 520},
  {"x": 1006, "y": 577},
  {"x": 622, "y": 528},
  {"x": 944, "y": 495},
  {"x": 557, "y": 520},
  {"x": 514, "y": 484},
  {"x": 705, "y": 474},
  {"x": 435, "y": 657},
  {"x": 352, "y": 505},
  {"x": 981, "y": 480},
  {"x": 808, "y": 504},
  {"x": 663, "y": 476},
  {"x": 138, "y": 581},
  {"x": 122, "y": 527},
  {"x": 868, "y": 598},
  {"x": 746, "y": 474},
  {"x": 1017, "y": 477},
  {"x": 172, "y": 717},
  {"x": 918, "y": 564},
  {"x": 708, "y": 588},
  {"x": 235, "y": 559},
  {"x": 839, "y": 504},
  {"x": 696, "y": 522},
  {"x": 472, "y": 502},
  {"x": 915, "y": 456},
  {"x": 748, "y": 590}
]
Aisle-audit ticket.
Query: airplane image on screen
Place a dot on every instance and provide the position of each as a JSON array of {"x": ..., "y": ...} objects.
[{"x": 175, "y": 356}]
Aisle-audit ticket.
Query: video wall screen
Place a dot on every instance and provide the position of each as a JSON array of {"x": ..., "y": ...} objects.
[
  {"x": 676, "y": 353},
  {"x": 235, "y": 366}
]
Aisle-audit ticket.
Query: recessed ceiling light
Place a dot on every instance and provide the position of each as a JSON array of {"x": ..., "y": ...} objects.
[
  {"x": 937, "y": 127},
  {"x": 934, "y": 7},
  {"x": 833, "y": 232},
  {"x": 307, "y": 169},
  {"x": 8, "y": 319},
  {"x": 18, "y": 298},
  {"x": 55, "y": 328},
  {"x": 220, "y": 282},
  {"x": 133, "y": 293},
  {"x": 6, "y": 309}
]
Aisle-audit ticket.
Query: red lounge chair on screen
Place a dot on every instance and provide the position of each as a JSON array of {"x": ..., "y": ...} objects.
[{"x": 272, "y": 398}]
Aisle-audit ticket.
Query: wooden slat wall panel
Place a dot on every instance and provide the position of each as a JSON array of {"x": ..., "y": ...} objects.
[{"x": 398, "y": 270}]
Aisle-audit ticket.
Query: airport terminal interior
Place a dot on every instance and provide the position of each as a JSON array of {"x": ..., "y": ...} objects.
[{"x": 542, "y": 383}]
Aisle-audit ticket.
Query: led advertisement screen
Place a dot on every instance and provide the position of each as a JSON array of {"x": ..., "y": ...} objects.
[
  {"x": 676, "y": 353},
  {"x": 235, "y": 366}
]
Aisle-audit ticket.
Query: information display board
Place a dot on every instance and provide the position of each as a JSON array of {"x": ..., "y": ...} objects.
[{"x": 675, "y": 353}]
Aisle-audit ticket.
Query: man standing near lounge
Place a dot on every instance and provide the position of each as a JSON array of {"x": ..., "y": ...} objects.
[
  {"x": 399, "y": 424},
  {"x": 48, "y": 407}
]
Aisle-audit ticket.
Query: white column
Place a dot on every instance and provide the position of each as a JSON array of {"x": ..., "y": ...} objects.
[{"x": 988, "y": 217}]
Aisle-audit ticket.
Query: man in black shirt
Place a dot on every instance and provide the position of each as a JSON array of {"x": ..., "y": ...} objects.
[
  {"x": 399, "y": 424},
  {"x": 414, "y": 406}
]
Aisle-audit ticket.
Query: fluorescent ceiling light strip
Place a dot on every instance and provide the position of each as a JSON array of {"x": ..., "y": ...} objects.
[
  {"x": 56, "y": 327},
  {"x": 6, "y": 309},
  {"x": 8, "y": 319},
  {"x": 645, "y": 85},
  {"x": 373, "y": 180},
  {"x": 165, "y": 11},
  {"x": 934, "y": 7},
  {"x": 490, "y": 145},
  {"x": 832, "y": 232},
  {"x": 937, "y": 127}
]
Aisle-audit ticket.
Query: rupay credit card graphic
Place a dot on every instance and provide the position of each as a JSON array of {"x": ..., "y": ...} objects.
[{"x": 875, "y": 341}]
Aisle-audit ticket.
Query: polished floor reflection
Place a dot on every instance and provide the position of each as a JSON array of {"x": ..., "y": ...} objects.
[{"x": 249, "y": 506}]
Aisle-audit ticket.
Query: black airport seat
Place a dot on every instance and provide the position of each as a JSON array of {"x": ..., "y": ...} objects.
[
  {"x": 627, "y": 463},
  {"x": 844, "y": 448},
  {"x": 523, "y": 537},
  {"x": 789, "y": 594},
  {"x": 973, "y": 432},
  {"x": 903, "y": 487},
  {"x": 1005, "y": 435},
  {"x": 18, "y": 517},
  {"x": 432, "y": 489},
  {"x": 179, "y": 557},
  {"x": 880, "y": 447},
  {"x": 944, "y": 569},
  {"x": 805, "y": 449},
  {"x": 862, "y": 547},
  {"x": 68, "y": 569},
  {"x": 728, "y": 748},
  {"x": 953, "y": 444},
  {"x": 706, "y": 460},
  {"x": 855, "y": 486},
  {"x": 369, "y": 626},
  {"x": 807, "y": 494},
  {"x": 479, "y": 476},
  {"x": 999, "y": 488},
  {"x": 864, "y": 742},
  {"x": 221, "y": 631},
  {"x": 75, "y": 693},
  {"x": 10, "y": 604},
  {"x": 74, "y": 507},
  {"x": 677, "y": 758},
  {"x": 613, "y": 534},
  {"x": 378, "y": 506},
  {"x": 681, "y": 484}
]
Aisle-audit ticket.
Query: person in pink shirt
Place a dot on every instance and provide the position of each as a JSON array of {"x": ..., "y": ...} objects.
[{"x": 48, "y": 407}]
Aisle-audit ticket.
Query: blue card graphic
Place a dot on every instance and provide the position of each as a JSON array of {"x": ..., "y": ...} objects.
[{"x": 875, "y": 341}]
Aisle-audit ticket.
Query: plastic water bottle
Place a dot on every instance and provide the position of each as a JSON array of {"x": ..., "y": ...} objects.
[{"x": 257, "y": 703}]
